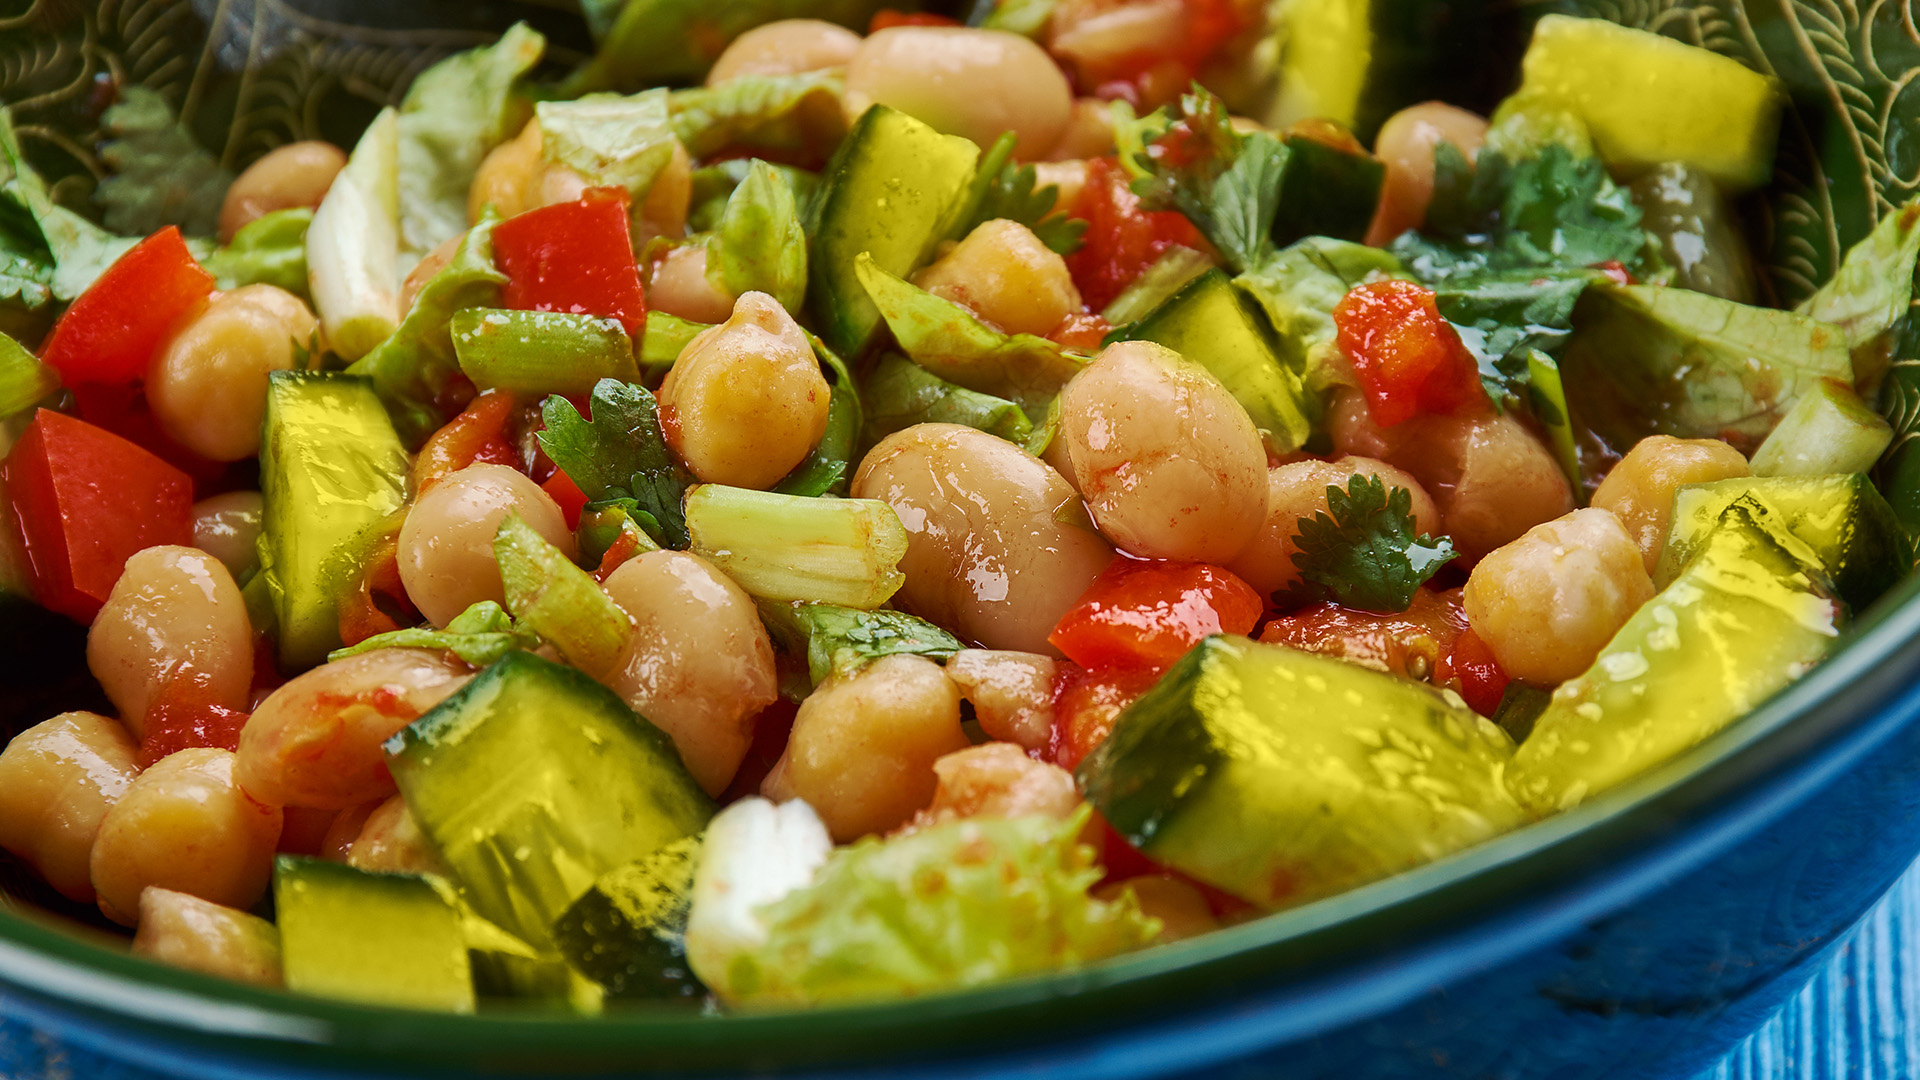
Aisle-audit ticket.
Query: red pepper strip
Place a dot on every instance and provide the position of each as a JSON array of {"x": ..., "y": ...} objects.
[
  {"x": 567, "y": 495},
  {"x": 1409, "y": 359},
  {"x": 1482, "y": 680},
  {"x": 575, "y": 257},
  {"x": 112, "y": 330},
  {"x": 477, "y": 436},
  {"x": 1085, "y": 704},
  {"x": 377, "y": 602},
  {"x": 84, "y": 501},
  {"x": 1147, "y": 614}
]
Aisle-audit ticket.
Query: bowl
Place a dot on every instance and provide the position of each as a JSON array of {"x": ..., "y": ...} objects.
[{"x": 1639, "y": 934}]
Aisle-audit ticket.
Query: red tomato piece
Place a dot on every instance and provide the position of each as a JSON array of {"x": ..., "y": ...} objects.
[
  {"x": 568, "y": 495},
  {"x": 1085, "y": 704},
  {"x": 122, "y": 409},
  {"x": 1482, "y": 680},
  {"x": 1147, "y": 614},
  {"x": 84, "y": 501},
  {"x": 1409, "y": 359},
  {"x": 113, "y": 328},
  {"x": 180, "y": 718},
  {"x": 1415, "y": 643},
  {"x": 574, "y": 257},
  {"x": 1121, "y": 239},
  {"x": 1082, "y": 331},
  {"x": 888, "y": 18}
]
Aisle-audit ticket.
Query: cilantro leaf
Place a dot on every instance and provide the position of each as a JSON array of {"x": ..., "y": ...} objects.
[
  {"x": 620, "y": 457},
  {"x": 479, "y": 635},
  {"x": 1002, "y": 189},
  {"x": 840, "y": 640},
  {"x": 1227, "y": 184},
  {"x": 1502, "y": 316},
  {"x": 161, "y": 175},
  {"x": 1365, "y": 554}
]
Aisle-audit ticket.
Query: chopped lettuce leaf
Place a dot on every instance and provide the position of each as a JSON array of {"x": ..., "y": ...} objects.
[
  {"x": 1868, "y": 296},
  {"x": 955, "y": 905},
  {"x": 353, "y": 245},
  {"x": 270, "y": 250},
  {"x": 479, "y": 635},
  {"x": 760, "y": 245},
  {"x": 454, "y": 113},
  {"x": 754, "y": 854},
  {"x": 829, "y": 467},
  {"x": 839, "y": 641},
  {"x": 901, "y": 393},
  {"x": 949, "y": 341},
  {"x": 713, "y": 185},
  {"x": 414, "y": 367},
  {"x": 47, "y": 252},
  {"x": 557, "y": 600},
  {"x": 676, "y": 41},
  {"x": 1298, "y": 289},
  {"x": 760, "y": 112},
  {"x": 24, "y": 380},
  {"x": 1365, "y": 551},
  {"x": 1227, "y": 184},
  {"x": 610, "y": 140},
  {"x": 620, "y": 456},
  {"x": 160, "y": 174}
]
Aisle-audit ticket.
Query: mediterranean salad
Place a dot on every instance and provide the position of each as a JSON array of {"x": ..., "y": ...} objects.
[{"x": 820, "y": 504}]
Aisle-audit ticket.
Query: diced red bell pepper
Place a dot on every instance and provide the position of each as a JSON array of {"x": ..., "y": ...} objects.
[
  {"x": 575, "y": 257},
  {"x": 478, "y": 436},
  {"x": 85, "y": 500},
  {"x": 112, "y": 330},
  {"x": 181, "y": 718},
  {"x": 1482, "y": 680},
  {"x": 1410, "y": 360},
  {"x": 1148, "y": 614},
  {"x": 1085, "y": 704},
  {"x": 1121, "y": 239},
  {"x": 888, "y": 18},
  {"x": 122, "y": 409},
  {"x": 567, "y": 495},
  {"x": 1415, "y": 643}
]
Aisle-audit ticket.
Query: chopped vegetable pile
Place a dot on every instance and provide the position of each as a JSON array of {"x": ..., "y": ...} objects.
[{"x": 812, "y": 510}]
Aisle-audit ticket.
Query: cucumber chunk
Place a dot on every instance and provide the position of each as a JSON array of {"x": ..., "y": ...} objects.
[
  {"x": 1648, "y": 99},
  {"x": 888, "y": 191},
  {"x": 1326, "y": 191},
  {"x": 1744, "y": 619},
  {"x": 1829, "y": 430},
  {"x": 384, "y": 939},
  {"x": 1209, "y": 322},
  {"x": 628, "y": 933},
  {"x": 534, "y": 781},
  {"x": 331, "y": 467},
  {"x": 1841, "y": 525},
  {"x": 1281, "y": 776}
]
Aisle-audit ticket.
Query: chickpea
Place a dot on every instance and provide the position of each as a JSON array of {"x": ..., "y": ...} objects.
[
  {"x": 188, "y": 932},
  {"x": 1298, "y": 490},
  {"x": 663, "y": 211},
  {"x": 987, "y": 553},
  {"x": 974, "y": 83},
  {"x": 1490, "y": 477},
  {"x": 863, "y": 748},
  {"x": 227, "y": 527},
  {"x": 1639, "y": 489},
  {"x": 1547, "y": 603},
  {"x": 446, "y": 543},
  {"x": 1405, "y": 146},
  {"x": 1011, "y": 693},
  {"x": 208, "y": 383},
  {"x": 185, "y": 825},
  {"x": 57, "y": 781},
  {"x": 505, "y": 175},
  {"x": 745, "y": 402},
  {"x": 785, "y": 47},
  {"x": 1102, "y": 41},
  {"x": 680, "y": 286},
  {"x": 315, "y": 741},
  {"x": 997, "y": 780},
  {"x": 1089, "y": 134},
  {"x": 297, "y": 174},
  {"x": 1005, "y": 275},
  {"x": 1181, "y": 909},
  {"x": 1069, "y": 178},
  {"x": 175, "y": 614},
  {"x": 347, "y": 825},
  {"x": 1170, "y": 464},
  {"x": 423, "y": 271},
  {"x": 390, "y": 842},
  {"x": 697, "y": 663}
]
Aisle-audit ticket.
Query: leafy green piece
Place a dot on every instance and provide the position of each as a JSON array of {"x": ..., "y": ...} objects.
[
  {"x": 1003, "y": 189},
  {"x": 540, "y": 352},
  {"x": 1868, "y": 296},
  {"x": 47, "y": 252},
  {"x": 841, "y": 640},
  {"x": 1502, "y": 317},
  {"x": 24, "y": 380},
  {"x": 454, "y": 113},
  {"x": 901, "y": 393},
  {"x": 1363, "y": 551},
  {"x": 760, "y": 245},
  {"x": 1025, "y": 17},
  {"x": 610, "y": 140},
  {"x": 557, "y": 600},
  {"x": 353, "y": 244},
  {"x": 714, "y": 184},
  {"x": 620, "y": 456},
  {"x": 270, "y": 250},
  {"x": 160, "y": 174},
  {"x": 949, "y": 341},
  {"x": 651, "y": 42},
  {"x": 829, "y": 467},
  {"x": 1298, "y": 288},
  {"x": 1227, "y": 184},
  {"x": 760, "y": 112},
  {"x": 479, "y": 635},
  {"x": 955, "y": 905},
  {"x": 414, "y": 367}
]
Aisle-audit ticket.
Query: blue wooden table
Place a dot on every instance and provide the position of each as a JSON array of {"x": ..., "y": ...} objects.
[{"x": 1859, "y": 1019}]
